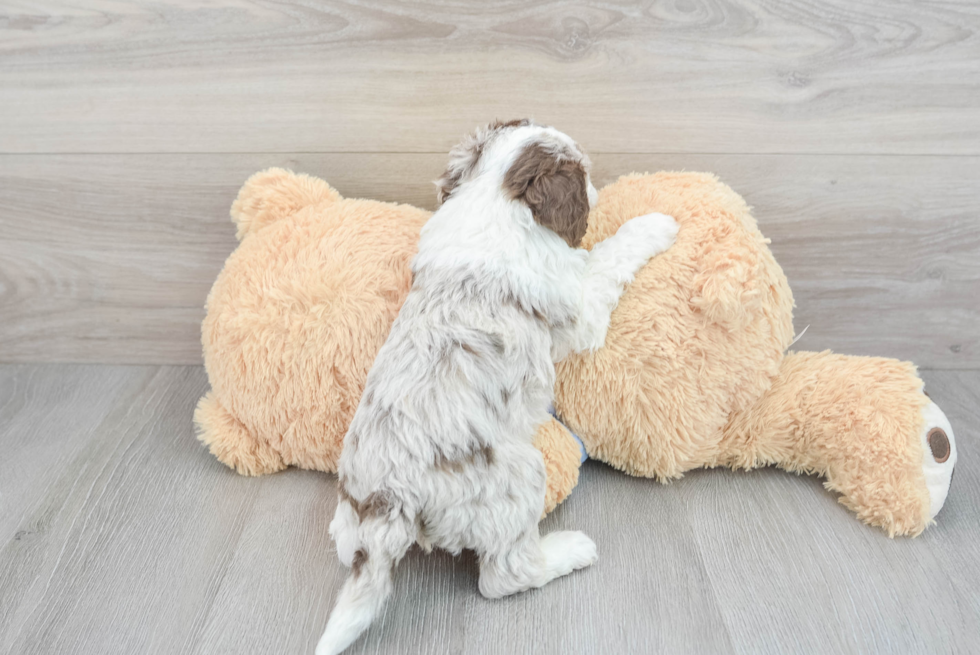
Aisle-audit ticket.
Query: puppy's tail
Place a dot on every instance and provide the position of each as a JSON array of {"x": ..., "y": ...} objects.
[{"x": 381, "y": 542}]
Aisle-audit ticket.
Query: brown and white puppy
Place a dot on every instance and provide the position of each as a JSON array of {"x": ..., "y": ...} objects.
[{"x": 439, "y": 451}]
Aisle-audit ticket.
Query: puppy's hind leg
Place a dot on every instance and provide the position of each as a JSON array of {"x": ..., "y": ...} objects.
[
  {"x": 513, "y": 557},
  {"x": 533, "y": 562}
]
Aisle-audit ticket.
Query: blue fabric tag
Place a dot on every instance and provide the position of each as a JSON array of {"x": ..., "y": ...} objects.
[{"x": 581, "y": 446}]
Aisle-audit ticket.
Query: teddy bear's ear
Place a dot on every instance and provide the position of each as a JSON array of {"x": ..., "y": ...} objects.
[{"x": 274, "y": 194}]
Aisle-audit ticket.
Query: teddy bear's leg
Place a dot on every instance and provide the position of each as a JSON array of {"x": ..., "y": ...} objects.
[
  {"x": 864, "y": 424},
  {"x": 231, "y": 442},
  {"x": 562, "y": 459}
]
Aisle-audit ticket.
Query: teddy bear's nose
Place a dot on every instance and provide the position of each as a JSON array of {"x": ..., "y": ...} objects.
[{"x": 939, "y": 444}]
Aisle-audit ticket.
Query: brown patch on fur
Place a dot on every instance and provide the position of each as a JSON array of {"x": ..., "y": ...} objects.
[
  {"x": 517, "y": 122},
  {"x": 505, "y": 395},
  {"x": 376, "y": 504},
  {"x": 447, "y": 465},
  {"x": 494, "y": 340},
  {"x": 555, "y": 188},
  {"x": 530, "y": 312},
  {"x": 360, "y": 557},
  {"x": 342, "y": 491}
]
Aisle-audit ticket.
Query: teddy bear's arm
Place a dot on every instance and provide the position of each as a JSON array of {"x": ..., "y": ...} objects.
[{"x": 612, "y": 264}]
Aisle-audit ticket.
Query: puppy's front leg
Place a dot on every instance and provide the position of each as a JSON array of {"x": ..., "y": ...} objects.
[{"x": 611, "y": 266}]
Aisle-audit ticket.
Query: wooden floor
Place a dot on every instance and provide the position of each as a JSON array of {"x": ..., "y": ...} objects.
[
  {"x": 126, "y": 128},
  {"x": 121, "y": 534}
]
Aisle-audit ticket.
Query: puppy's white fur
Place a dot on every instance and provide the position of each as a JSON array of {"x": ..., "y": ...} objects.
[{"x": 440, "y": 449}]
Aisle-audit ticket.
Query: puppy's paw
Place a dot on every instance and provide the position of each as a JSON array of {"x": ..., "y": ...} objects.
[
  {"x": 568, "y": 551},
  {"x": 651, "y": 233}
]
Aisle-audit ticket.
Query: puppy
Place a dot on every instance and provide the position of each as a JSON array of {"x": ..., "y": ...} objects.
[{"x": 439, "y": 450}]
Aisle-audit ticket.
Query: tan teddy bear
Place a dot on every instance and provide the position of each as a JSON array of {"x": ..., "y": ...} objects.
[{"x": 693, "y": 373}]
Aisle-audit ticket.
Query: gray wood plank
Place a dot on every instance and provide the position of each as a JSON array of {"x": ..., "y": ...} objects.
[
  {"x": 152, "y": 546},
  {"x": 137, "y": 530},
  {"x": 48, "y": 417},
  {"x": 109, "y": 258},
  {"x": 280, "y": 579},
  {"x": 729, "y": 76}
]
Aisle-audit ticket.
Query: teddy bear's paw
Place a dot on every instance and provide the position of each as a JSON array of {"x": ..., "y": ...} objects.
[
  {"x": 568, "y": 551},
  {"x": 231, "y": 442},
  {"x": 938, "y": 456}
]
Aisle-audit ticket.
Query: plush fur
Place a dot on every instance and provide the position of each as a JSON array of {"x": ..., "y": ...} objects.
[
  {"x": 296, "y": 318},
  {"x": 440, "y": 450},
  {"x": 693, "y": 372}
]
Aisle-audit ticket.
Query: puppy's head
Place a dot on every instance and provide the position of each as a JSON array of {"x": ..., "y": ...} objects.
[{"x": 537, "y": 166}]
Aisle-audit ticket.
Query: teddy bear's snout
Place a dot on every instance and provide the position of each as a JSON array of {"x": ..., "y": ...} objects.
[{"x": 938, "y": 456}]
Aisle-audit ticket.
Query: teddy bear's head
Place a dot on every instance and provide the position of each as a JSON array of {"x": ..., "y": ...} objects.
[{"x": 296, "y": 317}]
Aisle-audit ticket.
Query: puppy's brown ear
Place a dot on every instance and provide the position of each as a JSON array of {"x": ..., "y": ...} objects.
[{"x": 555, "y": 188}]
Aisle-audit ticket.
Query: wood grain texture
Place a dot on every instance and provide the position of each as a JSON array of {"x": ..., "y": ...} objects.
[
  {"x": 137, "y": 528},
  {"x": 134, "y": 539},
  {"x": 109, "y": 258},
  {"x": 39, "y": 408},
  {"x": 732, "y": 76}
]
